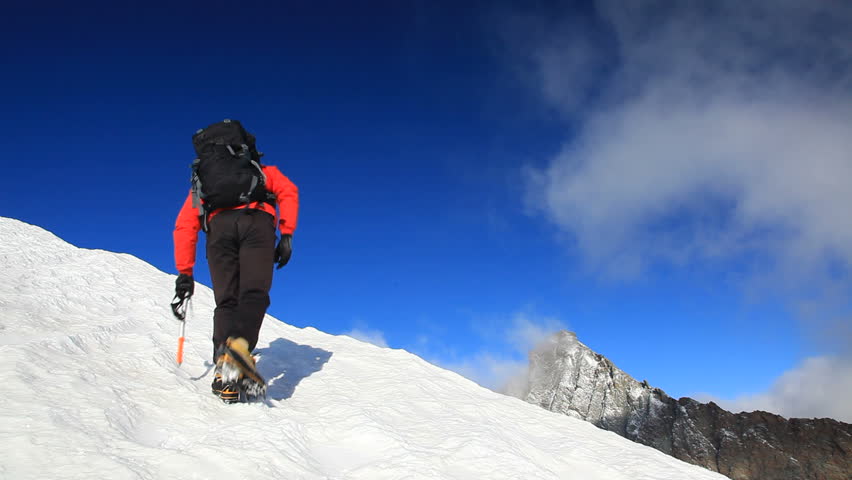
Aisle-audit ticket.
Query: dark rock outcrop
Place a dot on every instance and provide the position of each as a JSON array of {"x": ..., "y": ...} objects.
[{"x": 567, "y": 377}]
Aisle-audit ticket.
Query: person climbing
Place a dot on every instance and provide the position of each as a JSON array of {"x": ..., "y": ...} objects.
[{"x": 233, "y": 199}]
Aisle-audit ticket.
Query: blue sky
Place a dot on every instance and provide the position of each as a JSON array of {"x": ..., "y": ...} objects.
[{"x": 667, "y": 181}]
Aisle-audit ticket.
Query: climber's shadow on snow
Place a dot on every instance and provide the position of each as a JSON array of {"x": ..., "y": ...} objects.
[{"x": 284, "y": 364}]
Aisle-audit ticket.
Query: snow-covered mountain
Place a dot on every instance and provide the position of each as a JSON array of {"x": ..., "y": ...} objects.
[
  {"x": 92, "y": 390},
  {"x": 568, "y": 377}
]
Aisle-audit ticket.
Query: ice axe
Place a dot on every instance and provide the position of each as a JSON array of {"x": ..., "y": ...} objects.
[{"x": 179, "y": 307}]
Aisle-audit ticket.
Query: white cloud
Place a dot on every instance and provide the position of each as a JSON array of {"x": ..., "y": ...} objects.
[
  {"x": 681, "y": 184},
  {"x": 504, "y": 369},
  {"x": 702, "y": 107},
  {"x": 368, "y": 335},
  {"x": 492, "y": 370},
  {"x": 818, "y": 387},
  {"x": 526, "y": 331},
  {"x": 720, "y": 135}
]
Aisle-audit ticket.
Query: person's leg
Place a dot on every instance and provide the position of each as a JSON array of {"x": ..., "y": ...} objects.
[
  {"x": 257, "y": 250},
  {"x": 224, "y": 263}
]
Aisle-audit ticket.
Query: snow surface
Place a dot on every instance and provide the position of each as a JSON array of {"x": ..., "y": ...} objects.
[{"x": 92, "y": 390}]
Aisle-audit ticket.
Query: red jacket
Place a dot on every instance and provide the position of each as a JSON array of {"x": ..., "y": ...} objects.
[{"x": 188, "y": 222}]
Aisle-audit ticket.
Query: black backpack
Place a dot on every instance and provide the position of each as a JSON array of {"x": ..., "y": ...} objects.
[{"x": 227, "y": 172}]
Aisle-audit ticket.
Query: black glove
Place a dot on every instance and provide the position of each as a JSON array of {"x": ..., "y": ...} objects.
[
  {"x": 184, "y": 286},
  {"x": 283, "y": 250}
]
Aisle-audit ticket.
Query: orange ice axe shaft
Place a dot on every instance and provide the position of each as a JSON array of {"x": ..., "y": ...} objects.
[{"x": 181, "y": 339}]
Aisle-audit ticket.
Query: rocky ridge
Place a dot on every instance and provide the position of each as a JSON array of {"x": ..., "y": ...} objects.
[{"x": 566, "y": 376}]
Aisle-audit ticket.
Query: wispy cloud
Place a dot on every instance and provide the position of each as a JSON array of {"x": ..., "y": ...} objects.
[
  {"x": 818, "y": 387},
  {"x": 719, "y": 129},
  {"x": 368, "y": 335},
  {"x": 707, "y": 134},
  {"x": 504, "y": 366},
  {"x": 526, "y": 331},
  {"x": 493, "y": 370}
]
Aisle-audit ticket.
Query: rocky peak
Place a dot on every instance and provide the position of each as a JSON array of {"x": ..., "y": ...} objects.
[{"x": 566, "y": 376}]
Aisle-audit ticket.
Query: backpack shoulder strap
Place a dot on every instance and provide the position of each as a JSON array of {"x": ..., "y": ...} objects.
[{"x": 198, "y": 195}]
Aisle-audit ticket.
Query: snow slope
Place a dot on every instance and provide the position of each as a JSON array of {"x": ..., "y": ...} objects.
[{"x": 92, "y": 390}]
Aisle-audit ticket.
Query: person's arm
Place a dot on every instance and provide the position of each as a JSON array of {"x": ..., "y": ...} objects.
[
  {"x": 287, "y": 197},
  {"x": 185, "y": 236}
]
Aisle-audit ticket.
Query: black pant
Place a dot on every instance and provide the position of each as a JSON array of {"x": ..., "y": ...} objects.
[{"x": 240, "y": 251}]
